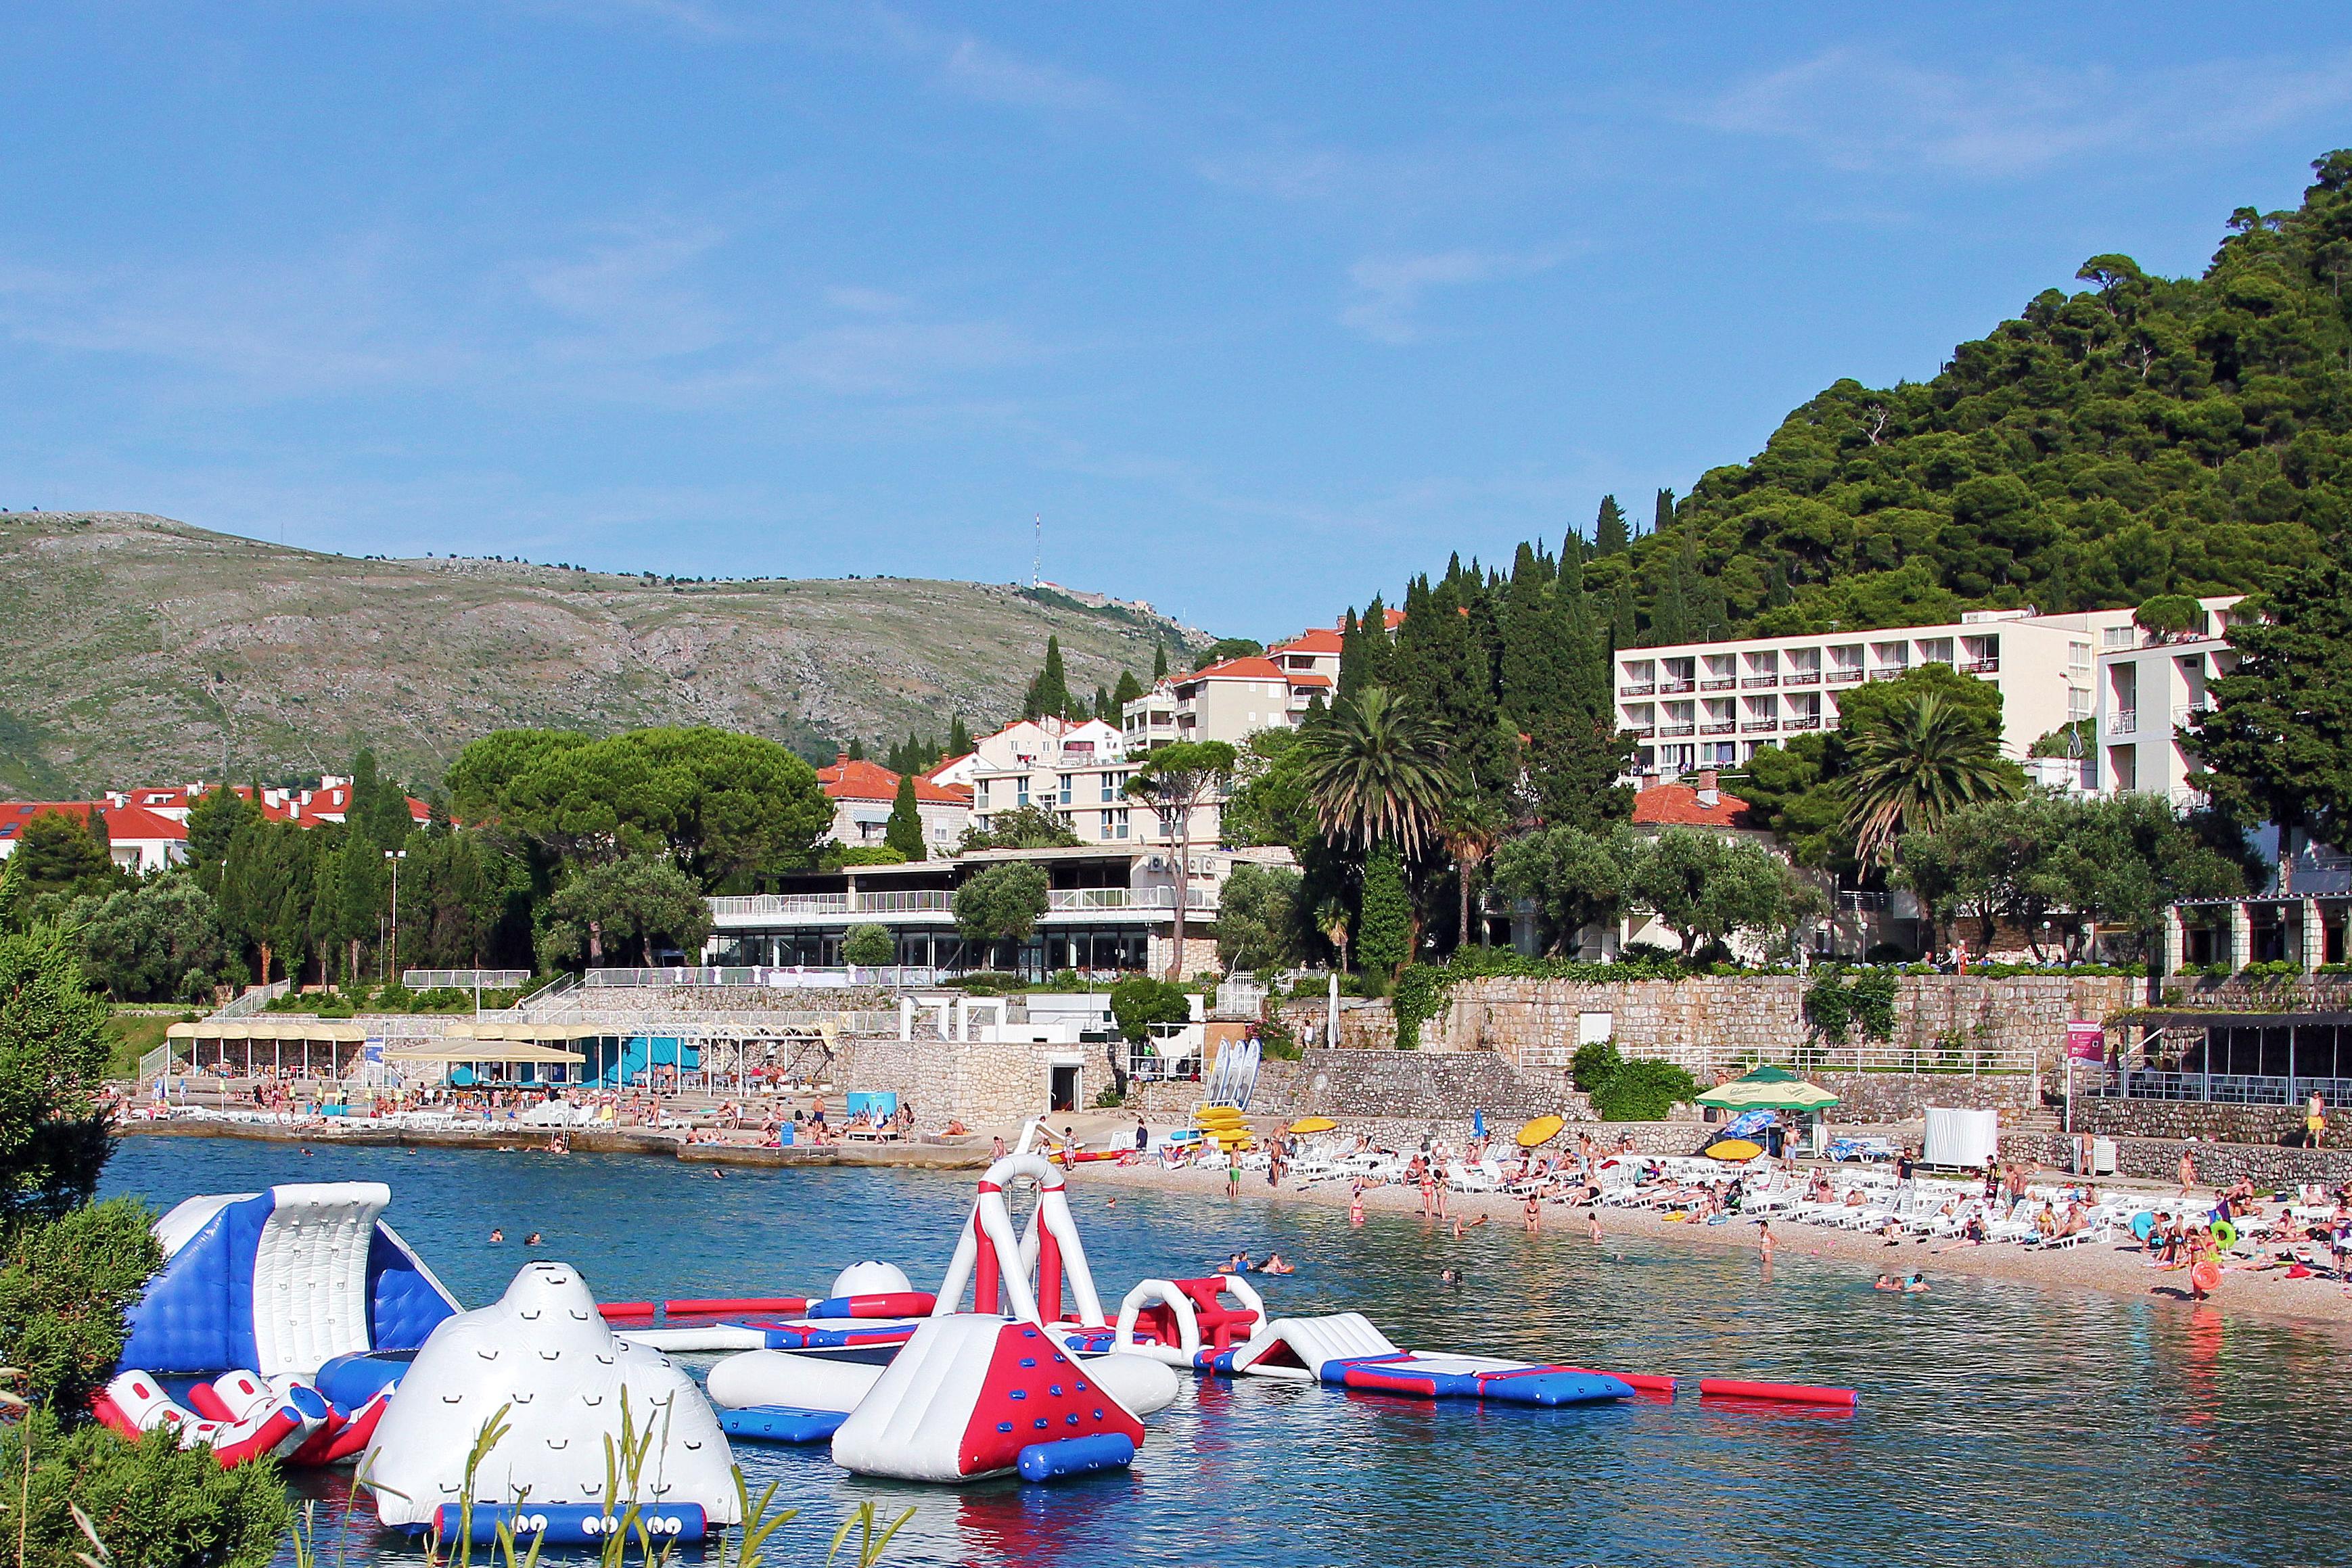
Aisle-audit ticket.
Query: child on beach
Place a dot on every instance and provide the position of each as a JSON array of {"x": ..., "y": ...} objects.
[{"x": 1356, "y": 1205}]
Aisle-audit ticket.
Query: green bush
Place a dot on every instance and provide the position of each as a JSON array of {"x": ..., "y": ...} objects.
[
  {"x": 869, "y": 944},
  {"x": 1592, "y": 1064},
  {"x": 1137, "y": 1002},
  {"x": 987, "y": 981},
  {"x": 64, "y": 1287},
  {"x": 153, "y": 1503},
  {"x": 1643, "y": 1090}
]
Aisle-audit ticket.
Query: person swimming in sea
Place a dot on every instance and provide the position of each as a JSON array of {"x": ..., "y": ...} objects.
[
  {"x": 1275, "y": 1264},
  {"x": 1916, "y": 1286},
  {"x": 497, "y": 1235},
  {"x": 531, "y": 1240},
  {"x": 1888, "y": 1282}
]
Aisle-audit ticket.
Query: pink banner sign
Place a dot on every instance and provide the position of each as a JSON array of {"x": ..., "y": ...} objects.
[{"x": 2086, "y": 1042}]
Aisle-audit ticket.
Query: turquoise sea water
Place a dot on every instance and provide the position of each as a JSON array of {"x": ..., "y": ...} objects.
[{"x": 2001, "y": 1423}]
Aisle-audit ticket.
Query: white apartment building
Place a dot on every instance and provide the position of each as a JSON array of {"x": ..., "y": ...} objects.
[
  {"x": 1704, "y": 705},
  {"x": 1233, "y": 700},
  {"x": 2149, "y": 686},
  {"x": 1077, "y": 770}
]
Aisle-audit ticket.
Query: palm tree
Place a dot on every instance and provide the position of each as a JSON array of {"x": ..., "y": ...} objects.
[
  {"x": 1927, "y": 760},
  {"x": 1471, "y": 830},
  {"x": 1373, "y": 773}
]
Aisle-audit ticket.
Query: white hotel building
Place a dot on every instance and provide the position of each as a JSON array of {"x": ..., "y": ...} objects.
[{"x": 1709, "y": 705}]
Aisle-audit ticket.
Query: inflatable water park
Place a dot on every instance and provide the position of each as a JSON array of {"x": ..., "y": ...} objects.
[{"x": 296, "y": 1324}]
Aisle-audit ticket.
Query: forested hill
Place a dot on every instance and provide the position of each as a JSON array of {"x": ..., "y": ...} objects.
[
  {"x": 141, "y": 650},
  {"x": 2144, "y": 435}
]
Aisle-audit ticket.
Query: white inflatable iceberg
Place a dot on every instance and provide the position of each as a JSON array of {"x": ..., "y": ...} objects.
[{"x": 544, "y": 1358}]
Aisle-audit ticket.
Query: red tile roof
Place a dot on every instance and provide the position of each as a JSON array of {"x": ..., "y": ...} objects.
[
  {"x": 862, "y": 780},
  {"x": 1252, "y": 669},
  {"x": 1678, "y": 806},
  {"x": 124, "y": 824},
  {"x": 1315, "y": 639}
]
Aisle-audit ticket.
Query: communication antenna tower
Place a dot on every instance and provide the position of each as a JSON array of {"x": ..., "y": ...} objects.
[{"x": 1037, "y": 552}]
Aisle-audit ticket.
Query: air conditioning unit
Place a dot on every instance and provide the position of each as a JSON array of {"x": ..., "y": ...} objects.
[{"x": 1157, "y": 863}]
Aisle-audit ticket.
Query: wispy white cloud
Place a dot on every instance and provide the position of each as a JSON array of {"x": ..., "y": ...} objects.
[
  {"x": 1859, "y": 109},
  {"x": 973, "y": 68},
  {"x": 903, "y": 357},
  {"x": 1388, "y": 289}
]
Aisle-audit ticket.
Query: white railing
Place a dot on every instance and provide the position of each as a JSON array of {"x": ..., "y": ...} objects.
[
  {"x": 256, "y": 1000},
  {"x": 1966, "y": 1059},
  {"x": 464, "y": 979},
  {"x": 2124, "y": 722},
  {"x": 765, "y": 907}
]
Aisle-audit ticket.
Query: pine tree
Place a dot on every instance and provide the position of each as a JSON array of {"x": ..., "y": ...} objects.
[
  {"x": 856, "y": 749},
  {"x": 1128, "y": 689},
  {"x": 904, "y": 832},
  {"x": 1608, "y": 532}
]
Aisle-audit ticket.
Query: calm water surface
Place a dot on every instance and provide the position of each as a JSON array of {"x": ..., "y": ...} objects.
[{"x": 2001, "y": 1423}]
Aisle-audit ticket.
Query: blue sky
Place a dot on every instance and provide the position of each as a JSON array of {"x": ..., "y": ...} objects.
[{"x": 1262, "y": 308}]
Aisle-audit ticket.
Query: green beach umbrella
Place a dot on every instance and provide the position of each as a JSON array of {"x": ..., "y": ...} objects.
[{"x": 1768, "y": 1089}]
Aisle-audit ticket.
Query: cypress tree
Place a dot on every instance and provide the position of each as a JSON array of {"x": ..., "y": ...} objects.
[
  {"x": 1158, "y": 664},
  {"x": 856, "y": 749},
  {"x": 958, "y": 739},
  {"x": 1049, "y": 693},
  {"x": 1664, "y": 518},
  {"x": 1609, "y": 536},
  {"x": 1103, "y": 709},
  {"x": 1351, "y": 659},
  {"x": 904, "y": 832},
  {"x": 1384, "y": 926},
  {"x": 1128, "y": 689}
]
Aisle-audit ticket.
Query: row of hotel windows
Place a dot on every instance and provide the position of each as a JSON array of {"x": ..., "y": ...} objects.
[
  {"x": 1111, "y": 826},
  {"x": 1109, "y": 787},
  {"x": 1764, "y": 668},
  {"x": 1761, "y": 715}
]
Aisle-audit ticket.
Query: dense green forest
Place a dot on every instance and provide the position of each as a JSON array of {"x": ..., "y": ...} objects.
[{"x": 2145, "y": 436}]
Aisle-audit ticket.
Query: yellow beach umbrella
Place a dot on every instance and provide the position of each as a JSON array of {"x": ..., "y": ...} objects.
[
  {"x": 1542, "y": 1129},
  {"x": 1314, "y": 1124}
]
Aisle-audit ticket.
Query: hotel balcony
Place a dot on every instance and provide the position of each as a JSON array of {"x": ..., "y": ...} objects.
[
  {"x": 1844, "y": 676},
  {"x": 2124, "y": 722},
  {"x": 1802, "y": 677},
  {"x": 1674, "y": 731},
  {"x": 1674, "y": 685},
  {"x": 1758, "y": 682},
  {"x": 1981, "y": 665},
  {"x": 1641, "y": 690},
  {"x": 1759, "y": 727},
  {"x": 1720, "y": 727},
  {"x": 1718, "y": 683},
  {"x": 1804, "y": 721}
]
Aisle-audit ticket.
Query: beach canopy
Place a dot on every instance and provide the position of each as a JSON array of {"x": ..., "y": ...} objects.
[
  {"x": 1542, "y": 1129},
  {"x": 1768, "y": 1089},
  {"x": 1314, "y": 1124},
  {"x": 488, "y": 1051}
]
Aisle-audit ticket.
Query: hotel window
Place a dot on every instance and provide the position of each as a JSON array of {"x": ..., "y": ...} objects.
[
  {"x": 1021, "y": 790},
  {"x": 1114, "y": 825},
  {"x": 1935, "y": 650},
  {"x": 980, "y": 794},
  {"x": 1065, "y": 781},
  {"x": 1109, "y": 787}
]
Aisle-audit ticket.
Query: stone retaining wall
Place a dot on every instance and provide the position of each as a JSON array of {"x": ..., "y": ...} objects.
[
  {"x": 2218, "y": 1164},
  {"x": 2275, "y": 1125},
  {"x": 1363, "y": 1023},
  {"x": 1714, "y": 1023},
  {"x": 1870, "y": 1097}
]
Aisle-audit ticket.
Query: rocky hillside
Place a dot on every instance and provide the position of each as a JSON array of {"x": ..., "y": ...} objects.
[{"x": 138, "y": 649}]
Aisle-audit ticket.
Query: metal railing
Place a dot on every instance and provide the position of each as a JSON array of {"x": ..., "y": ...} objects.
[
  {"x": 2215, "y": 1088},
  {"x": 1760, "y": 726},
  {"x": 1927, "y": 1059},
  {"x": 1640, "y": 732},
  {"x": 1981, "y": 665},
  {"x": 1753, "y": 681},
  {"x": 1803, "y": 677},
  {"x": 256, "y": 1000},
  {"x": 1671, "y": 731},
  {"x": 2188, "y": 713},
  {"x": 464, "y": 979},
  {"x": 1676, "y": 685},
  {"x": 1890, "y": 672},
  {"x": 1720, "y": 727},
  {"x": 1804, "y": 722},
  {"x": 1718, "y": 683},
  {"x": 1642, "y": 689},
  {"x": 2124, "y": 722},
  {"x": 1128, "y": 899}
]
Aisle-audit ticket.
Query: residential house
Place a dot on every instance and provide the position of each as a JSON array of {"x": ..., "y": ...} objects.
[{"x": 864, "y": 794}]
